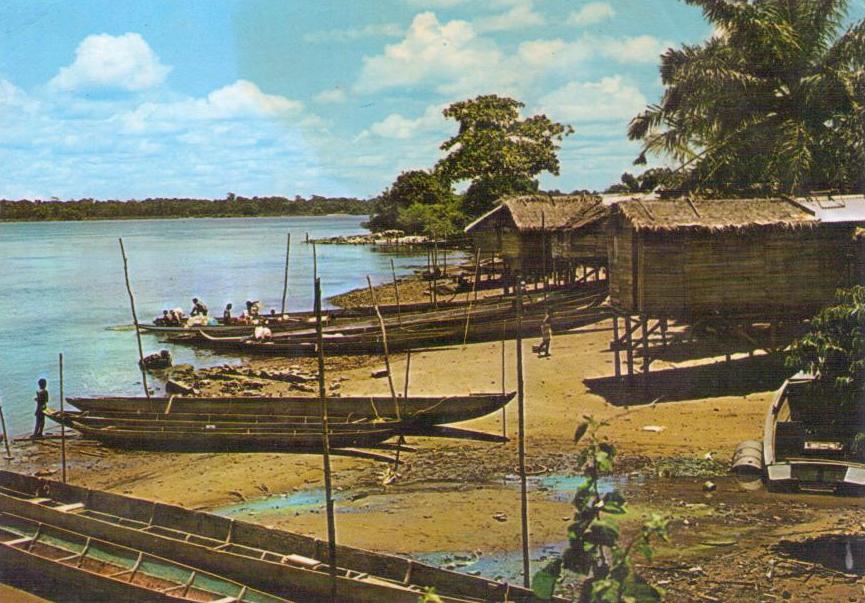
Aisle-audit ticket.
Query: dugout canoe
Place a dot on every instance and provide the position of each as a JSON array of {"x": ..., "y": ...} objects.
[
  {"x": 222, "y": 437},
  {"x": 76, "y": 566},
  {"x": 423, "y": 410},
  {"x": 271, "y": 560}
]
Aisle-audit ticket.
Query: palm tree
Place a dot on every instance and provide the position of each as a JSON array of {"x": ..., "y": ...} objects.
[{"x": 774, "y": 101}]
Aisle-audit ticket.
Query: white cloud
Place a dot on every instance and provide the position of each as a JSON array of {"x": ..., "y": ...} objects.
[
  {"x": 591, "y": 13},
  {"x": 520, "y": 15},
  {"x": 240, "y": 100},
  {"x": 331, "y": 95},
  {"x": 610, "y": 99},
  {"x": 126, "y": 62},
  {"x": 431, "y": 51},
  {"x": 399, "y": 127},
  {"x": 375, "y": 30},
  {"x": 436, "y": 3},
  {"x": 640, "y": 49}
]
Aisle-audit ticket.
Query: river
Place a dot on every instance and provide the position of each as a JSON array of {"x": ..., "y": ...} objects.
[{"x": 62, "y": 290}]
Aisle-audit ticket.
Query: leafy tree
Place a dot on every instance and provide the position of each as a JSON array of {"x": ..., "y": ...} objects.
[
  {"x": 593, "y": 549},
  {"x": 497, "y": 151},
  {"x": 645, "y": 182},
  {"x": 772, "y": 102},
  {"x": 437, "y": 220},
  {"x": 834, "y": 351},
  {"x": 414, "y": 187}
]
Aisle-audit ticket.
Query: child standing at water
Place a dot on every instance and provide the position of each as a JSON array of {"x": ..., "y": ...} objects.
[{"x": 41, "y": 404}]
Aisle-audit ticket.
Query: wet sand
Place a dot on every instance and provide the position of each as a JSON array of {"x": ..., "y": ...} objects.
[{"x": 452, "y": 495}]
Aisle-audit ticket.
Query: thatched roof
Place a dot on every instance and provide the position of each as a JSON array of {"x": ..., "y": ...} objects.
[
  {"x": 715, "y": 214},
  {"x": 532, "y": 212}
]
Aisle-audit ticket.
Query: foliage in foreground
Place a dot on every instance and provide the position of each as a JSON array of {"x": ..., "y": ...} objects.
[
  {"x": 834, "y": 351},
  {"x": 594, "y": 551},
  {"x": 773, "y": 102}
]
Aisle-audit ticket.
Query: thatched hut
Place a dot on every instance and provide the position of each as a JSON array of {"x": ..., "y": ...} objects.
[
  {"x": 571, "y": 229},
  {"x": 734, "y": 258}
]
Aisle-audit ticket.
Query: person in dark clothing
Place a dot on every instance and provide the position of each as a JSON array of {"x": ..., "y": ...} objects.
[
  {"x": 41, "y": 404},
  {"x": 198, "y": 308},
  {"x": 226, "y": 315}
]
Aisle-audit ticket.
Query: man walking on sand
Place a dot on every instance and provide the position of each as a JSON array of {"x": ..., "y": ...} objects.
[
  {"x": 41, "y": 404},
  {"x": 546, "y": 336}
]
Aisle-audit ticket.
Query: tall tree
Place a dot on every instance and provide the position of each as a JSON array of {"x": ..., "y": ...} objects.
[
  {"x": 413, "y": 187},
  {"x": 773, "y": 101},
  {"x": 497, "y": 151}
]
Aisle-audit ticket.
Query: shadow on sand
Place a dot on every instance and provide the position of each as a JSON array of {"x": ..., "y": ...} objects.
[{"x": 736, "y": 378}]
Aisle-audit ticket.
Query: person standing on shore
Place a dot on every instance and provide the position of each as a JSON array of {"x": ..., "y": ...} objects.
[
  {"x": 546, "y": 336},
  {"x": 41, "y": 404}
]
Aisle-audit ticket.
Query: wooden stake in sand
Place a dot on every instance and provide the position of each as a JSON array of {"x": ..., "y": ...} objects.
[
  {"x": 325, "y": 445},
  {"x": 474, "y": 291},
  {"x": 285, "y": 280},
  {"x": 504, "y": 410},
  {"x": 62, "y": 427},
  {"x": 524, "y": 501},
  {"x": 396, "y": 293},
  {"x": 384, "y": 344},
  {"x": 134, "y": 320},
  {"x": 5, "y": 433}
]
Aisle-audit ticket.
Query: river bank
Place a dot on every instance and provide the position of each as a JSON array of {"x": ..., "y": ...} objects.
[{"x": 456, "y": 503}]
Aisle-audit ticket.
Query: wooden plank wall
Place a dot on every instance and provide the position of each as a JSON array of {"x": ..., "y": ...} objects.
[
  {"x": 619, "y": 244},
  {"x": 763, "y": 272}
]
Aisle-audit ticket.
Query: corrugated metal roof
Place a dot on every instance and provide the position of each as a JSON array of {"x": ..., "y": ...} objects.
[{"x": 839, "y": 209}]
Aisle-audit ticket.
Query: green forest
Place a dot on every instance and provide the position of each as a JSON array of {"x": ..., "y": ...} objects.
[{"x": 230, "y": 207}]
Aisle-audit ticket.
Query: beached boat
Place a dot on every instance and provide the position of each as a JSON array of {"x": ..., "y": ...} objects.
[
  {"x": 76, "y": 566},
  {"x": 423, "y": 410},
  {"x": 271, "y": 560},
  {"x": 222, "y": 437},
  {"x": 805, "y": 450}
]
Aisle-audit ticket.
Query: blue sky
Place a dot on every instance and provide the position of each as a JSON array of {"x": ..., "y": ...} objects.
[{"x": 123, "y": 99}]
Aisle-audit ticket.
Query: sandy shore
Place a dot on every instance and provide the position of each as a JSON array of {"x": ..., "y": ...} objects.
[{"x": 455, "y": 497}]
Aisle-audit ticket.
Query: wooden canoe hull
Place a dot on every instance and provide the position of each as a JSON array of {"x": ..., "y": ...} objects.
[
  {"x": 167, "y": 526},
  {"x": 162, "y": 438},
  {"x": 425, "y": 410}
]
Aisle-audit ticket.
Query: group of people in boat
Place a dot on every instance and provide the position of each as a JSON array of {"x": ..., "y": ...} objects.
[{"x": 251, "y": 316}]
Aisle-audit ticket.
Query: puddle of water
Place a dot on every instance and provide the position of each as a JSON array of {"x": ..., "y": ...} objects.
[
  {"x": 506, "y": 565},
  {"x": 562, "y": 487}
]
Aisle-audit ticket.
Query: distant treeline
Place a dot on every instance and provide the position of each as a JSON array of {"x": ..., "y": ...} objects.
[{"x": 231, "y": 206}]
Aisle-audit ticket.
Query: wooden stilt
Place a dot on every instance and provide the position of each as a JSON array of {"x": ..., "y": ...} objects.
[
  {"x": 384, "y": 345},
  {"x": 617, "y": 360},
  {"x": 325, "y": 444},
  {"x": 504, "y": 412},
  {"x": 6, "y": 436},
  {"x": 396, "y": 293},
  {"x": 135, "y": 321},
  {"x": 544, "y": 255},
  {"x": 285, "y": 279},
  {"x": 644, "y": 325},
  {"x": 629, "y": 350},
  {"x": 664, "y": 332},
  {"x": 62, "y": 427},
  {"x": 524, "y": 500}
]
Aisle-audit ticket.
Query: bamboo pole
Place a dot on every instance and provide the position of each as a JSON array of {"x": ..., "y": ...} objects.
[
  {"x": 396, "y": 293},
  {"x": 401, "y": 439},
  {"x": 62, "y": 427},
  {"x": 325, "y": 443},
  {"x": 435, "y": 282},
  {"x": 469, "y": 294},
  {"x": 384, "y": 344},
  {"x": 5, "y": 433},
  {"x": 504, "y": 410},
  {"x": 544, "y": 254},
  {"x": 134, "y": 320},
  {"x": 524, "y": 500},
  {"x": 285, "y": 279}
]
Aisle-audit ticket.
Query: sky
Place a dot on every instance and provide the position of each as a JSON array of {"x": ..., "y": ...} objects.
[{"x": 124, "y": 99}]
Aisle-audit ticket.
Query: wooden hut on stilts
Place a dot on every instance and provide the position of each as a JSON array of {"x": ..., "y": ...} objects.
[
  {"x": 561, "y": 240},
  {"x": 727, "y": 263}
]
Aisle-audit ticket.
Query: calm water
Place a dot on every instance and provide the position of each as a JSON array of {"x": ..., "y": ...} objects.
[{"x": 62, "y": 290}]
